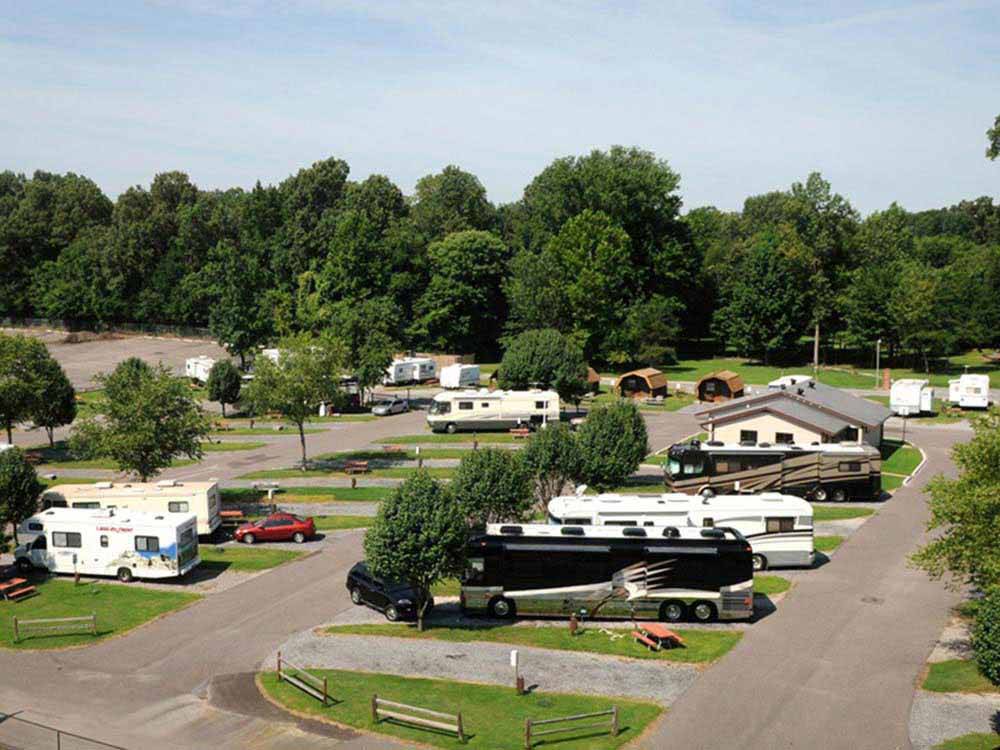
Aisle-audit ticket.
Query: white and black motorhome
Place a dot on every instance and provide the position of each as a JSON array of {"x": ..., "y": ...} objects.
[
  {"x": 167, "y": 497},
  {"x": 778, "y": 527},
  {"x": 111, "y": 542},
  {"x": 821, "y": 471},
  {"x": 665, "y": 573},
  {"x": 481, "y": 410}
]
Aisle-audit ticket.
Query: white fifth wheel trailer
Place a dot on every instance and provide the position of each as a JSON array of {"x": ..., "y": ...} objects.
[
  {"x": 197, "y": 368},
  {"x": 457, "y": 411},
  {"x": 110, "y": 542},
  {"x": 970, "y": 391},
  {"x": 909, "y": 397},
  {"x": 460, "y": 376},
  {"x": 778, "y": 527},
  {"x": 167, "y": 496},
  {"x": 410, "y": 370}
]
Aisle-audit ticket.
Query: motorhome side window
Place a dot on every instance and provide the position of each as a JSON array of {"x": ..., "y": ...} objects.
[
  {"x": 775, "y": 525},
  {"x": 440, "y": 407},
  {"x": 541, "y": 404},
  {"x": 147, "y": 544},
  {"x": 850, "y": 467},
  {"x": 87, "y": 505},
  {"x": 465, "y": 405},
  {"x": 177, "y": 507},
  {"x": 708, "y": 521},
  {"x": 66, "y": 539},
  {"x": 35, "y": 527},
  {"x": 485, "y": 404},
  {"x": 104, "y": 540}
]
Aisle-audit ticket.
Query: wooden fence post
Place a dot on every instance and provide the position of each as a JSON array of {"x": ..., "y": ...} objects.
[
  {"x": 375, "y": 708},
  {"x": 461, "y": 734},
  {"x": 527, "y": 734},
  {"x": 614, "y": 721},
  {"x": 279, "y": 666},
  {"x": 93, "y": 623},
  {"x": 17, "y": 635},
  {"x": 326, "y": 693}
]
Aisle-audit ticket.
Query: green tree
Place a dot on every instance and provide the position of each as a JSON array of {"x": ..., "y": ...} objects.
[
  {"x": 451, "y": 201},
  {"x": 306, "y": 374},
  {"x": 147, "y": 418},
  {"x": 419, "y": 536},
  {"x": 224, "y": 383},
  {"x": 918, "y": 307},
  {"x": 993, "y": 140},
  {"x": 986, "y": 636},
  {"x": 56, "y": 402},
  {"x": 965, "y": 513},
  {"x": 19, "y": 490},
  {"x": 612, "y": 443},
  {"x": 552, "y": 457},
  {"x": 237, "y": 317},
  {"x": 24, "y": 361},
  {"x": 546, "y": 359},
  {"x": 492, "y": 485}
]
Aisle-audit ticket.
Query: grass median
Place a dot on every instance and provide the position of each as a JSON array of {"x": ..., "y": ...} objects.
[
  {"x": 899, "y": 457},
  {"x": 248, "y": 445},
  {"x": 339, "y": 523},
  {"x": 840, "y": 512},
  {"x": 828, "y": 543},
  {"x": 396, "y": 472},
  {"x": 119, "y": 608},
  {"x": 957, "y": 676},
  {"x": 308, "y": 495},
  {"x": 975, "y": 741},
  {"x": 493, "y": 716},
  {"x": 770, "y": 585},
  {"x": 244, "y": 558},
  {"x": 703, "y": 646}
]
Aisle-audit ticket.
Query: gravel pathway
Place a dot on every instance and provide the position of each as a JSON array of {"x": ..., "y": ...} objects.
[
  {"x": 936, "y": 717},
  {"x": 553, "y": 671}
]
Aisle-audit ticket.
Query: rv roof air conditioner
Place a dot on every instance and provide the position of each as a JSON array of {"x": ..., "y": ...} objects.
[
  {"x": 167, "y": 483},
  {"x": 571, "y": 530},
  {"x": 104, "y": 485},
  {"x": 514, "y": 530},
  {"x": 580, "y": 489},
  {"x": 671, "y": 532},
  {"x": 633, "y": 531}
]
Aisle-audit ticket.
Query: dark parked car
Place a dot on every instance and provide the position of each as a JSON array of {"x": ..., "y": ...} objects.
[
  {"x": 397, "y": 601},
  {"x": 277, "y": 527}
]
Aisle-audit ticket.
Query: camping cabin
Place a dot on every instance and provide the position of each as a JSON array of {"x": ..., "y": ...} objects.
[
  {"x": 970, "y": 391},
  {"x": 645, "y": 383},
  {"x": 909, "y": 397},
  {"x": 719, "y": 386},
  {"x": 468, "y": 411}
]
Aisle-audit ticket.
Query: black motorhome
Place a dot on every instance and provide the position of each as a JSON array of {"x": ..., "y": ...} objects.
[{"x": 608, "y": 571}]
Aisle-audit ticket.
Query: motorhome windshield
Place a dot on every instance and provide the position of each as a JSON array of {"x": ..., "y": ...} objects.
[
  {"x": 440, "y": 407},
  {"x": 686, "y": 464}
]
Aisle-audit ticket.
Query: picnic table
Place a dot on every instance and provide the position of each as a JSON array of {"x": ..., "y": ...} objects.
[
  {"x": 655, "y": 635},
  {"x": 520, "y": 432},
  {"x": 356, "y": 467},
  {"x": 15, "y": 589}
]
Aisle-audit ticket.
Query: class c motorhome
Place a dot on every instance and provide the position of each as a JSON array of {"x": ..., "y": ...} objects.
[
  {"x": 458, "y": 411},
  {"x": 111, "y": 542},
  {"x": 970, "y": 391},
  {"x": 778, "y": 527},
  {"x": 167, "y": 497}
]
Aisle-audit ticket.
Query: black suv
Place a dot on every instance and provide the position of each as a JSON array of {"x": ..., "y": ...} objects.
[{"x": 397, "y": 601}]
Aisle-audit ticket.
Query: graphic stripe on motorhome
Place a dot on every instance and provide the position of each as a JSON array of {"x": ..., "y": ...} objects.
[{"x": 781, "y": 535}]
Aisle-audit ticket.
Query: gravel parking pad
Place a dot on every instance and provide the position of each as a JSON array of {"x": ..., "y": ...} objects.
[{"x": 937, "y": 717}]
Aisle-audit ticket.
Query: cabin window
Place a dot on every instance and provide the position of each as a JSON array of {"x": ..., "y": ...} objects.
[
  {"x": 87, "y": 505},
  {"x": 541, "y": 404},
  {"x": 104, "y": 540},
  {"x": 708, "y": 522},
  {"x": 465, "y": 405},
  {"x": 849, "y": 467},
  {"x": 178, "y": 507},
  {"x": 777, "y": 525},
  {"x": 147, "y": 544},
  {"x": 66, "y": 539},
  {"x": 748, "y": 436},
  {"x": 786, "y": 438},
  {"x": 475, "y": 572}
]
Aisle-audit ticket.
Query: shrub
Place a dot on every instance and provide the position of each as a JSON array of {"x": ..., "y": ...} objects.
[
  {"x": 492, "y": 485},
  {"x": 986, "y": 636},
  {"x": 545, "y": 358},
  {"x": 552, "y": 458},
  {"x": 224, "y": 383},
  {"x": 612, "y": 444}
]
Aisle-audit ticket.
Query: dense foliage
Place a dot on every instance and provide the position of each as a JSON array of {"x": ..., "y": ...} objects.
[
  {"x": 492, "y": 485},
  {"x": 19, "y": 490},
  {"x": 33, "y": 386},
  {"x": 986, "y": 636},
  {"x": 544, "y": 358},
  {"x": 596, "y": 248},
  {"x": 224, "y": 382},
  {"x": 612, "y": 443},
  {"x": 552, "y": 457}
]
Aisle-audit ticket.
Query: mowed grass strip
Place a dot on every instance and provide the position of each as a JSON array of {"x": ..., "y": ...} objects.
[
  {"x": 308, "y": 494},
  {"x": 375, "y": 454},
  {"x": 337, "y": 523},
  {"x": 458, "y": 437},
  {"x": 957, "y": 676},
  {"x": 244, "y": 558},
  {"x": 828, "y": 543},
  {"x": 270, "y": 431},
  {"x": 839, "y": 512},
  {"x": 119, "y": 608},
  {"x": 400, "y": 472},
  {"x": 249, "y": 445},
  {"x": 899, "y": 458},
  {"x": 493, "y": 716},
  {"x": 975, "y": 741},
  {"x": 702, "y": 645},
  {"x": 891, "y": 482},
  {"x": 770, "y": 585}
]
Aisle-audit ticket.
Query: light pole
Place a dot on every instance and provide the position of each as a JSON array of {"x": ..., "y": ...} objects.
[{"x": 878, "y": 356}]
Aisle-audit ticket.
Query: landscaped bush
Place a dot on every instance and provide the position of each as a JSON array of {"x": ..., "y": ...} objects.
[
  {"x": 612, "y": 443},
  {"x": 986, "y": 636}
]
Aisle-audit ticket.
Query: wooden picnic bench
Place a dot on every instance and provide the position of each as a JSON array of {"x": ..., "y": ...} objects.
[
  {"x": 520, "y": 433},
  {"x": 646, "y": 641},
  {"x": 16, "y": 589},
  {"x": 356, "y": 467},
  {"x": 394, "y": 448},
  {"x": 660, "y": 634}
]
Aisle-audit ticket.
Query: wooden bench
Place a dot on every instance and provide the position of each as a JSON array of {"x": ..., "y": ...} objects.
[
  {"x": 16, "y": 589},
  {"x": 394, "y": 448},
  {"x": 520, "y": 433},
  {"x": 663, "y": 635},
  {"x": 356, "y": 467},
  {"x": 646, "y": 640}
]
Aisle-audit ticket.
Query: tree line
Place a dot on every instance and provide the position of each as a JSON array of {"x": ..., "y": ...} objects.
[{"x": 596, "y": 248}]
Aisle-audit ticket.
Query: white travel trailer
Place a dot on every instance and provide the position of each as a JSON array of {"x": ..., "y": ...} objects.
[
  {"x": 410, "y": 370},
  {"x": 456, "y": 411},
  {"x": 111, "y": 542},
  {"x": 168, "y": 497},
  {"x": 970, "y": 391},
  {"x": 788, "y": 381},
  {"x": 909, "y": 397},
  {"x": 460, "y": 376},
  {"x": 778, "y": 527},
  {"x": 197, "y": 368}
]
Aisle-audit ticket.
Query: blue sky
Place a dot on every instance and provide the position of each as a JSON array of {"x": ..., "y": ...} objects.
[{"x": 889, "y": 100}]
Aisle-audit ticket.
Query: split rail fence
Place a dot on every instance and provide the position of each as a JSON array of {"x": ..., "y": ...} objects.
[
  {"x": 417, "y": 716},
  {"x": 609, "y": 724},
  {"x": 54, "y": 626},
  {"x": 303, "y": 680}
]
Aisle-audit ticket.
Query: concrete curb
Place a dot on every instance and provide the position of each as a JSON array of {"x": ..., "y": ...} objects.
[{"x": 923, "y": 460}]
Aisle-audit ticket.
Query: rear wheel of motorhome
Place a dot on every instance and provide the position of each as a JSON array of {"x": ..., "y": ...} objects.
[
  {"x": 819, "y": 494},
  {"x": 356, "y": 595},
  {"x": 299, "y": 537},
  {"x": 839, "y": 495},
  {"x": 759, "y": 563},
  {"x": 672, "y": 611},
  {"x": 502, "y": 608},
  {"x": 391, "y": 613},
  {"x": 125, "y": 575},
  {"x": 249, "y": 538},
  {"x": 451, "y": 429},
  {"x": 703, "y": 611}
]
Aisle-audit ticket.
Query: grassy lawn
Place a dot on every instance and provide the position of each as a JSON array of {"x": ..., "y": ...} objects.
[
  {"x": 390, "y": 473},
  {"x": 67, "y": 480},
  {"x": 59, "y": 457},
  {"x": 481, "y": 707},
  {"x": 957, "y": 676},
  {"x": 754, "y": 373},
  {"x": 891, "y": 482},
  {"x": 899, "y": 458},
  {"x": 309, "y": 494},
  {"x": 249, "y": 445},
  {"x": 334, "y": 523},
  {"x": 673, "y": 402},
  {"x": 119, "y": 608},
  {"x": 828, "y": 543},
  {"x": 244, "y": 558},
  {"x": 770, "y": 585},
  {"x": 971, "y": 742},
  {"x": 383, "y": 455},
  {"x": 702, "y": 645},
  {"x": 458, "y": 437},
  {"x": 261, "y": 431},
  {"x": 839, "y": 512}
]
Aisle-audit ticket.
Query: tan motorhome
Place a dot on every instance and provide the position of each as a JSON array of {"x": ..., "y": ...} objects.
[{"x": 168, "y": 496}]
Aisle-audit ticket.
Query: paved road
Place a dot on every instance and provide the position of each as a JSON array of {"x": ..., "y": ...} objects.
[{"x": 836, "y": 666}]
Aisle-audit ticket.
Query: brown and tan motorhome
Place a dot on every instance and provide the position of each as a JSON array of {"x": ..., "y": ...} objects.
[{"x": 822, "y": 471}]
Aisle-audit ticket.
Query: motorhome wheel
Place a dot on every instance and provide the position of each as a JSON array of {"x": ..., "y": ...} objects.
[
  {"x": 819, "y": 494},
  {"x": 125, "y": 575},
  {"x": 839, "y": 495},
  {"x": 501, "y": 608},
  {"x": 672, "y": 611},
  {"x": 703, "y": 611},
  {"x": 451, "y": 429},
  {"x": 707, "y": 492}
]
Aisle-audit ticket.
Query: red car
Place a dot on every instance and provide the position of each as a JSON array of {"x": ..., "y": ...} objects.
[{"x": 277, "y": 527}]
